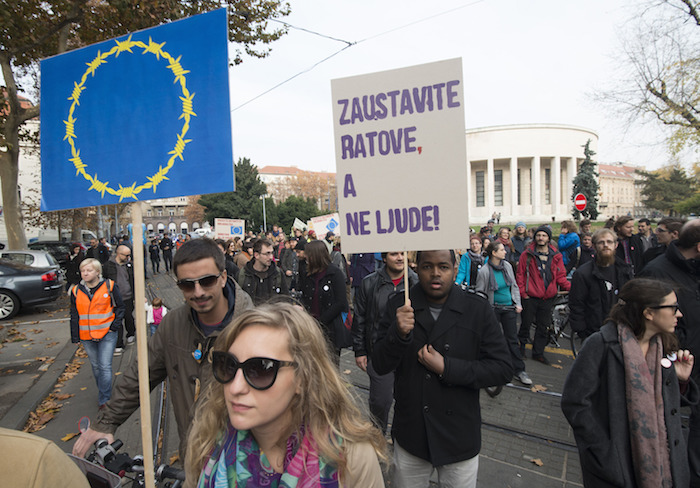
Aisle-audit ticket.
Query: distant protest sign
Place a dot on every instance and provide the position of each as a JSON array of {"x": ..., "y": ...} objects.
[
  {"x": 138, "y": 117},
  {"x": 229, "y": 228},
  {"x": 326, "y": 223},
  {"x": 401, "y": 159}
]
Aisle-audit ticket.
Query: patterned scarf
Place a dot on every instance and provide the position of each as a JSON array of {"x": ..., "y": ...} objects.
[
  {"x": 237, "y": 462},
  {"x": 645, "y": 409},
  {"x": 493, "y": 286}
]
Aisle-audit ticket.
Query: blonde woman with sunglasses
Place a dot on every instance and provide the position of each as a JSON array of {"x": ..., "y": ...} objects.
[{"x": 279, "y": 414}]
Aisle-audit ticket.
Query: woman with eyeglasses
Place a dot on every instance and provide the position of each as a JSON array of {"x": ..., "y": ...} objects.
[
  {"x": 623, "y": 394},
  {"x": 323, "y": 294},
  {"x": 279, "y": 414}
]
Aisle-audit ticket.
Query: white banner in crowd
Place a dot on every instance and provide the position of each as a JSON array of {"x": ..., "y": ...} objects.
[
  {"x": 324, "y": 224},
  {"x": 298, "y": 224},
  {"x": 401, "y": 159},
  {"x": 229, "y": 228}
]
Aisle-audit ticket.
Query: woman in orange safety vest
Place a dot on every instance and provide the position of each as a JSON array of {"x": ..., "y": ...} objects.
[{"x": 96, "y": 313}]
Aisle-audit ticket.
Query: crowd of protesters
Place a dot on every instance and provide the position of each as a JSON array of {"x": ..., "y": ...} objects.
[{"x": 500, "y": 288}]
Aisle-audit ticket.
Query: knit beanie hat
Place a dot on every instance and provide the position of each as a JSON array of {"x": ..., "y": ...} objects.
[
  {"x": 546, "y": 230},
  {"x": 520, "y": 224}
]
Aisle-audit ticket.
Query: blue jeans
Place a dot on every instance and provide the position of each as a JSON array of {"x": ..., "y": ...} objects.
[{"x": 100, "y": 355}]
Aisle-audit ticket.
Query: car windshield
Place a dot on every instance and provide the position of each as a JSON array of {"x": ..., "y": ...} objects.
[{"x": 19, "y": 257}]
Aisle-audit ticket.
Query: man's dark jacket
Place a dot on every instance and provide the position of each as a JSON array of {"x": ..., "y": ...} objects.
[
  {"x": 370, "y": 304},
  {"x": 262, "y": 285},
  {"x": 101, "y": 253},
  {"x": 438, "y": 418},
  {"x": 673, "y": 267},
  {"x": 589, "y": 300},
  {"x": 110, "y": 271}
]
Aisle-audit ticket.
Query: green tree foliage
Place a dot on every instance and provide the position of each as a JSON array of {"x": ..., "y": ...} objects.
[
  {"x": 244, "y": 203},
  {"x": 296, "y": 207},
  {"x": 31, "y": 30},
  {"x": 586, "y": 182},
  {"x": 689, "y": 206},
  {"x": 664, "y": 189}
]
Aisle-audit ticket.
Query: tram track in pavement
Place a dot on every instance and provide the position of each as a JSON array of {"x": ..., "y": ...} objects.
[{"x": 520, "y": 433}]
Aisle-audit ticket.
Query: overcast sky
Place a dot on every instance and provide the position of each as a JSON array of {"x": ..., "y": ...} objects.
[{"x": 536, "y": 61}]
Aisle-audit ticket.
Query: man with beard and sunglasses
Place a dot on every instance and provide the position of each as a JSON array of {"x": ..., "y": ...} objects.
[
  {"x": 178, "y": 350},
  {"x": 595, "y": 285}
]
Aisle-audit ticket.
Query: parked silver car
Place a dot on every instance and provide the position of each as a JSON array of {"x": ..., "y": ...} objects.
[
  {"x": 22, "y": 285},
  {"x": 35, "y": 259}
]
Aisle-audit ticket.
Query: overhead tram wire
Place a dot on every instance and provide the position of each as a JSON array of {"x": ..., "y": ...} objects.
[{"x": 348, "y": 44}]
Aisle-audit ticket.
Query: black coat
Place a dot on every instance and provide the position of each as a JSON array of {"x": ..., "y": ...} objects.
[
  {"x": 673, "y": 267},
  {"x": 589, "y": 300},
  {"x": 332, "y": 299},
  {"x": 73, "y": 268},
  {"x": 438, "y": 418},
  {"x": 595, "y": 404},
  {"x": 636, "y": 253},
  {"x": 370, "y": 304}
]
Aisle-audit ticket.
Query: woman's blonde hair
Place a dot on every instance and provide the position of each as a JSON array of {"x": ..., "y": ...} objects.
[
  {"x": 325, "y": 407},
  {"x": 96, "y": 265}
]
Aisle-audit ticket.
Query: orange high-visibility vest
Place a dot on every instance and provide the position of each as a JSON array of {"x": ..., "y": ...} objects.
[{"x": 96, "y": 315}]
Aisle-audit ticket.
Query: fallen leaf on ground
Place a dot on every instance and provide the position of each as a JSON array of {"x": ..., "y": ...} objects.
[
  {"x": 537, "y": 388},
  {"x": 347, "y": 371},
  {"x": 538, "y": 462},
  {"x": 83, "y": 388},
  {"x": 68, "y": 437},
  {"x": 558, "y": 366},
  {"x": 64, "y": 396}
]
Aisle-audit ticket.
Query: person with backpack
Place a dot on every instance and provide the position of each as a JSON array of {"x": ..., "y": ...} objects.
[
  {"x": 569, "y": 245},
  {"x": 96, "y": 313}
]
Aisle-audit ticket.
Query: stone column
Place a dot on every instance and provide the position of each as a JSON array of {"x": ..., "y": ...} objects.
[
  {"x": 556, "y": 185},
  {"x": 471, "y": 195},
  {"x": 514, "y": 209},
  {"x": 536, "y": 191},
  {"x": 571, "y": 170},
  {"x": 490, "y": 201}
]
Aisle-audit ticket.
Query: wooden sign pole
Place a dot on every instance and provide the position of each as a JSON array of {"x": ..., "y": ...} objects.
[
  {"x": 142, "y": 343},
  {"x": 405, "y": 276}
]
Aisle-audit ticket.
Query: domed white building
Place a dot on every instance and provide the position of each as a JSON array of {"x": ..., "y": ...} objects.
[{"x": 525, "y": 171}]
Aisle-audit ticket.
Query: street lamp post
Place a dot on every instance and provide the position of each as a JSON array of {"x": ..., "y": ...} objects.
[{"x": 264, "y": 214}]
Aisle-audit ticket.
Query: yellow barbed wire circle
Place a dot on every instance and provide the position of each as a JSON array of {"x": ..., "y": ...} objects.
[{"x": 187, "y": 112}]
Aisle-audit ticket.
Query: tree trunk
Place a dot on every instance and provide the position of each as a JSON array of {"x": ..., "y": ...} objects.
[
  {"x": 9, "y": 164},
  {"x": 12, "y": 209}
]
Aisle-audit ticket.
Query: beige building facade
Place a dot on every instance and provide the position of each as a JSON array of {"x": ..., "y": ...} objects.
[{"x": 524, "y": 172}]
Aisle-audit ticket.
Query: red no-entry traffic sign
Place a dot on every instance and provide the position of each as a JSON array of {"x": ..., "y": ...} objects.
[{"x": 580, "y": 202}]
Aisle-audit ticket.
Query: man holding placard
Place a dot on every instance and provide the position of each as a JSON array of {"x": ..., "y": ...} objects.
[{"x": 444, "y": 344}]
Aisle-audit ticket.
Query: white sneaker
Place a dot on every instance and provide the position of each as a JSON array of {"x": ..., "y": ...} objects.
[
  {"x": 130, "y": 340},
  {"x": 524, "y": 378}
]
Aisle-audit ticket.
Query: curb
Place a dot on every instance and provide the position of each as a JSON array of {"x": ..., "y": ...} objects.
[{"x": 17, "y": 416}]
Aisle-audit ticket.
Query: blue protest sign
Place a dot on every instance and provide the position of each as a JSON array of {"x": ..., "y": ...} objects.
[{"x": 139, "y": 117}]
